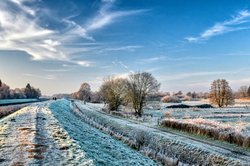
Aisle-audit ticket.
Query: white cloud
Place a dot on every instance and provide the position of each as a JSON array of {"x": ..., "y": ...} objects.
[
  {"x": 106, "y": 17},
  {"x": 152, "y": 59},
  {"x": 124, "y": 48},
  {"x": 84, "y": 63},
  {"x": 46, "y": 77},
  {"x": 26, "y": 9},
  {"x": 191, "y": 74},
  {"x": 120, "y": 63},
  {"x": 153, "y": 69},
  {"x": 236, "y": 23},
  {"x": 21, "y": 30},
  {"x": 122, "y": 75},
  {"x": 165, "y": 58},
  {"x": 57, "y": 70}
]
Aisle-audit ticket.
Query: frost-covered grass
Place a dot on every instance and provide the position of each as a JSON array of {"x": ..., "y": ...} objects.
[
  {"x": 233, "y": 134},
  {"x": 33, "y": 136},
  {"x": 6, "y": 110},
  {"x": 167, "y": 148},
  {"x": 227, "y": 124},
  {"x": 16, "y": 101},
  {"x": 100, "y": 147}
]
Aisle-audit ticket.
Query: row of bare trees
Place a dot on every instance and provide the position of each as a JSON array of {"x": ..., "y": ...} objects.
[
  {"x": 222, "y": 95},
  {"x": 27, "y": 92},
  {"x": 133, "y": 90},
  {"x": 243, "y": 92},
  {"x": 121, "y": 91},
  {"x": 139, "y": 86}
]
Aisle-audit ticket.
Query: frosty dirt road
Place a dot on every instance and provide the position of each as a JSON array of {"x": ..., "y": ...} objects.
[{"x": 50, "y": 134}]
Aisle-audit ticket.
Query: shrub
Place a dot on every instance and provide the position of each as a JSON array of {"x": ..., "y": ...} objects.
[
  {"x": 6, "y": 110},
  {"x": 211, "y": 129},
  {"x": 171, "y": 99}
]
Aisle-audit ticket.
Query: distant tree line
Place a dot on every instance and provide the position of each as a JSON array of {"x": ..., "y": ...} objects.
[
  {"x": 243, "y": 92},
  {"x": 115, "y": 92},
  {"x": 23, "y": 93},
  {"x": 140, "y": 87}
]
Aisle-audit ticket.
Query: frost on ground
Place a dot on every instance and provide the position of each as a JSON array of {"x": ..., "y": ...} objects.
[
  {"x": 6, "y": 110},
  {"x": 32, "y": 136},
  {"x": 101, "y": 148},
  {"x": 165, "y": 147},
  {"x": 226, "y": 124},
  {"x": 50, "y": 134}
]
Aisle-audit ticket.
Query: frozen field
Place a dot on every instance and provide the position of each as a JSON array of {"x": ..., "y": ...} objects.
[
  {"x": 167, "y": 147},
  {"x": 230, "y": 124},
  {"x": 50, "y": 134},
  {"x": 56, "y": 133}
]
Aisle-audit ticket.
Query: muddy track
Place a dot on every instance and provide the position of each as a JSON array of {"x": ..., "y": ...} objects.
[{"x": 235, "y": 152}]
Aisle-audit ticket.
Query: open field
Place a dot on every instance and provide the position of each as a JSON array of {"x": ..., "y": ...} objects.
[
  {"x": 166, "y": 147},
  {"x": 227, "y": 124}
]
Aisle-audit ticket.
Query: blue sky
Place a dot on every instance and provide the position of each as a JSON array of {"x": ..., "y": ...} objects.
[{"x": 57, "y": 45}]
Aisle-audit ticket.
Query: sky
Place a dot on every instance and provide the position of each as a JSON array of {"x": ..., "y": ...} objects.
[{"x": 57, "y": 45}]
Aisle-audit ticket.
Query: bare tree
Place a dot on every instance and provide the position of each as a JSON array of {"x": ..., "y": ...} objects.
[
  {"x": 96, "y": 97},
  {"x": 139, "y": 86},
  {"x": 31, "y": 92},
  {"x": 248, "y": 91},
  {"x": 112, "y": 91},
  {"x": 221, "y": 94},
  {"x": 243, "y": 91},
  {"x": 84, "y": 93},
  {"x": 4, "y": 91}
]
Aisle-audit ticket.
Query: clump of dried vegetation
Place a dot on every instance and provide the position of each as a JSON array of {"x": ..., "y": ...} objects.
[
  {"x": 233, "y": 134},
  {"x": 6, "y": 110}
]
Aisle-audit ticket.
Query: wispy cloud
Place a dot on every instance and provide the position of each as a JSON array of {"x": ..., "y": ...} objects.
[
  {"x": 83, "y": 63},
  {"x": 236, "y": 23},
  {"x": 106, "y": 16},
  {"x": 122, "y": 75},
  {"x": 237, "y": 54},
  {"x": 153, "y": 69},
  {"x": 192, "y": 74},
  {"x": 166, "y": 58},
  {"x": 124, "y": 48},
  {"x": 21, "y": 29},
  {"x": 26, "y": 9},
  {"x": 152, "y": 59},
  {"x": 57, "y": 70},
  {"x": 120, "y": 63},
  {"x": 46, "y": 77}
]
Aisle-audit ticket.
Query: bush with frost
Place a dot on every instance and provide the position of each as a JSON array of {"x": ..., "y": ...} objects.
[{"x": 171, "y": 99}]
